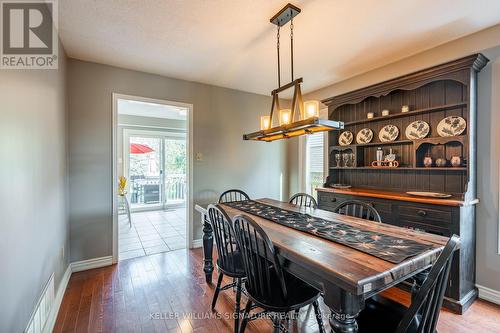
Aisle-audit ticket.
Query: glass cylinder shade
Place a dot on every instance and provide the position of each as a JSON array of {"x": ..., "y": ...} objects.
[
  {"x": 311, "y": 109},
  {"x": 285, "y": 116},
  {"x": 265, "y": 122}
]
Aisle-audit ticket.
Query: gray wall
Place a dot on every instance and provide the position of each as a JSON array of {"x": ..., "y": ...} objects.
[
  {"x": 33, "y": 214},
  {"x": 221, "y": 116},
  {"x": 487, "y": 42}
]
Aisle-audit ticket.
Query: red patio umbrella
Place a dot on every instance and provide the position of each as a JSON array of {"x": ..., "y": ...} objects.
[{"x": 137, "y": 148}]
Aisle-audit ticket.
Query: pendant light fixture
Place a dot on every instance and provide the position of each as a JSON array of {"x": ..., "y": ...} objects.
[{"x": 309, "y": 121}]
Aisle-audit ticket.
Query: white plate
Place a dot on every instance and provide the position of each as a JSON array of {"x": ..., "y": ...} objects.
[
  {"x": 345, "y": 138},
  {"x": 341, "y": 186},
  {"x": 451, "y": 126},
  {"x": 364, "y": 136},
  {"x": 388, "y": 133},
  {"x": 430, "y": 194},
  {"x": 418, "y": 129}
]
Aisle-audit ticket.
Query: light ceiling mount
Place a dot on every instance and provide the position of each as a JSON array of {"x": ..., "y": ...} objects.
[
  {"x": 285, "y": 15},
  {"x": 309, "y": 121}
]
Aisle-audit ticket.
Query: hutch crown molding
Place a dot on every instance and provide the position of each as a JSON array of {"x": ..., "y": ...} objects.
[{"x": 432, "y": 94}]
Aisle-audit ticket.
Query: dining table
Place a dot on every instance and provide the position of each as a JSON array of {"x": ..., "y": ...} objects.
[{"x": 343, "y": 272}]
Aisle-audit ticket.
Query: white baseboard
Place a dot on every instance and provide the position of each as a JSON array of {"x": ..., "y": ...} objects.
[
  {"x": 51, "y": 320},
  {"x": 84, "y": 265},
  {"x": 197, "y": 243},
  {"x": 489, "y": 294},
  {"x": 77, "y": 266}
]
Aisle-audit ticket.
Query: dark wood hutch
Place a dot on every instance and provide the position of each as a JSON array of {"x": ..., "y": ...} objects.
[{"x": 432, "y": 94}]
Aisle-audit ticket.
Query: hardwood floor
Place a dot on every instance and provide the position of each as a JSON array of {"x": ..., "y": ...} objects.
[{"x": 167, "y": 293}]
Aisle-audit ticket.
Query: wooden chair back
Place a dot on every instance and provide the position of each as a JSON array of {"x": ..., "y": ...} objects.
[
  {"x": 233, "y": 195},
  {"x": 426, "y": 305},
  {"x": 227, "y": 247},
  {"x": 359, "y": 209},
  {"x": 303, "y": 200},
  {"x": 262, "y": 266}
]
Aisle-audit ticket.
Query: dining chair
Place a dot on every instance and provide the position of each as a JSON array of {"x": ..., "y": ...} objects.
[
  {"x": 233, "y": 195},
  {"x": 303, "y": 200},
  {"x": 229, "y": 261},
  {"x": 268, "y": 286},
  {"x": 359, "y": 209},
  {"x": 384, "y": 315}
]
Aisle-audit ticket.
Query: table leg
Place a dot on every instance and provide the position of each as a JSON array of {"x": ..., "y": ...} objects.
[
  {"x": 208, "y": 244},
  {"x": 127, "y": 207},
  {"x": 342, "y": 323},
  {"x": 418, "y": 281},
  {"x": 345, "y": 308}
]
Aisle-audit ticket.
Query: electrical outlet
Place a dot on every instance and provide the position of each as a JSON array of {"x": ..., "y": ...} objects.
[{"x": 199, "y": 156}]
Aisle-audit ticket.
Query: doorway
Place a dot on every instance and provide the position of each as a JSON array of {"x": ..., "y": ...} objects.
[{"x": 152, "y": 170}]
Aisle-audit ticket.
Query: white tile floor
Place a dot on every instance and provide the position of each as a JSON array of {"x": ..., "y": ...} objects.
[{"x": 151, "y": 232}]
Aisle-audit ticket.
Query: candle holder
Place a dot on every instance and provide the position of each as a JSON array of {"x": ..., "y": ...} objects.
[
  {"x": 265, "y": 122},
  {"x": 285, "y": 117}
]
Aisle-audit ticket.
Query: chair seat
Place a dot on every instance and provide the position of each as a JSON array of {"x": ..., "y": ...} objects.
[
  {"x": 382, "y": 315},
  {"x": 233, "y": 265},
  {"x": 299, "y": 295}
]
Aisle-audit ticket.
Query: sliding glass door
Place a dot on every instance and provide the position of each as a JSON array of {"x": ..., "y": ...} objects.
[
  {"x": 155, "y": 165},
  {"x": 175, "y": 170}
]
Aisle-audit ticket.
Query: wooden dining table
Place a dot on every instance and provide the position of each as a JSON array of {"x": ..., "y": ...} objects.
[{"x": 346, "y": 276}]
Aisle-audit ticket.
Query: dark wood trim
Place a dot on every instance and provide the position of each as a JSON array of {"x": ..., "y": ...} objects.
[{"x": 411, "y": 81}]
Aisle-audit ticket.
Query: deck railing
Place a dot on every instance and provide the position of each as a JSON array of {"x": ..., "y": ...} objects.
[
  {"x": 175, "y": 187},
  {"x": 147, "y": 190}
]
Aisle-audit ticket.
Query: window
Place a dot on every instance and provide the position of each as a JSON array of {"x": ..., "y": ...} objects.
[{"x": 312, "y": 160}]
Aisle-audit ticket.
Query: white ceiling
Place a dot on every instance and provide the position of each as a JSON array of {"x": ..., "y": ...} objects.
[
  {"x": 146, "y": 109},
  {"x": 231, "y": 43}
]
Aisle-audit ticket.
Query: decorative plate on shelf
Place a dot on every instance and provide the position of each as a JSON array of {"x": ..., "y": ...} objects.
[
  {"x": 430, "y": 194},
  {"x": 388, "y": 133},
  {"x": 418, "y": 129},
  {"x": 345, "y": 138},
  {"x": 364, "y": 136},
  {"x": 341, "y": 186},
  {"x": 451, "y": 126}
]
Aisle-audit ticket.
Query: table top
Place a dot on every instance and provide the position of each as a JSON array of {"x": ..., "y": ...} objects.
[
  {"x": 200, "y": 209},
  {"x": 350, "y": 269}
]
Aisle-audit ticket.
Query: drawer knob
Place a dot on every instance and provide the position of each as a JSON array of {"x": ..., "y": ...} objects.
[{"x": 422, "y": 213}]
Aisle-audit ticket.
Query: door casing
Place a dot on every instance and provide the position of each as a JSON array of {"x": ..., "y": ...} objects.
[{"x": 114, "y": 158}]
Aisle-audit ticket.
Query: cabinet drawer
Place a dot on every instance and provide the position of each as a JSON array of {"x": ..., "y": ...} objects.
[
  {"x": 381, "y": 206},
  {"x": 431, "y": 215},
  {"x": 329, "y": 201},
  {"x": 424, "y": 227}
]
